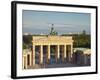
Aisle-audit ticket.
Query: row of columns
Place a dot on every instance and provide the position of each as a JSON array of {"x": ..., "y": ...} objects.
[{"x": 48, "y": 54}]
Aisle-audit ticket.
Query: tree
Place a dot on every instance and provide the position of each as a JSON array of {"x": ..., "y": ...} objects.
[
  {"x": 27, "y": 41},
  {"x": 81, "y": 40},
  {"x": 25, "y": 46}
]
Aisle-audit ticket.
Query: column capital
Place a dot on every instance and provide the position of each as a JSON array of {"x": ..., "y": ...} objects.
[{"x": 64, "y": 51}]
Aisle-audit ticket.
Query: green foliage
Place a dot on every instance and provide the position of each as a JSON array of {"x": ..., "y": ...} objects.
[
  {"x": 81, "y": 40},
  {"x": 27, "y": 41},
  {"x": 25, "y": 46}
]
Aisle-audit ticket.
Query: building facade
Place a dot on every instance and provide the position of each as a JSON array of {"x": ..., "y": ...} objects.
[{"x": 45, "y": 46}]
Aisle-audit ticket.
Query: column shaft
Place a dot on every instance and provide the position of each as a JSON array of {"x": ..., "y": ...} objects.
[
  {"x": 71, "y": 50},
  {"x": 26, "y": 62},
  {"x": 58, "y": 52},
  {"x": 64, "y": 54},
  {"x": 30, "y": 60},
  {"x": 33, "y": 55},
  {"x": 23, "y": 62},
  {"x": 64, "y": 51}
]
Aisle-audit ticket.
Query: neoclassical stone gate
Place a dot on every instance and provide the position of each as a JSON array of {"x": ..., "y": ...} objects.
[{"x": 63, "y": 45}]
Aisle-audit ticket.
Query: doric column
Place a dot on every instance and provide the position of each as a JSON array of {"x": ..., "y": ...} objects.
[
  {"x": 41, "y": 54},
  {"x": 23, "y": 62},
  {"x": 48, "y": 54},
  {"x": 26, "y": 62},
  {"x": 33, "y": 52},
  {"x": 58, "y": 50},
  {"x": 30, "y": 59},
  {"x": 71, "y": 50}
]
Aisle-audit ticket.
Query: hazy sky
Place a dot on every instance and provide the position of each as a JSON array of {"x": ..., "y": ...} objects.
[{"x": 40, "y": 22}]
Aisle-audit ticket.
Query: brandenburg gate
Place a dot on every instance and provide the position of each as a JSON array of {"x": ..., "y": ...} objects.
[
  {"x": 62, "y": 47},
  {"x": 60, "y": 42}
]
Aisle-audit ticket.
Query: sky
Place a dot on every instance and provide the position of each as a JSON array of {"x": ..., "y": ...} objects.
[{"x": 40, "y": 22}]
